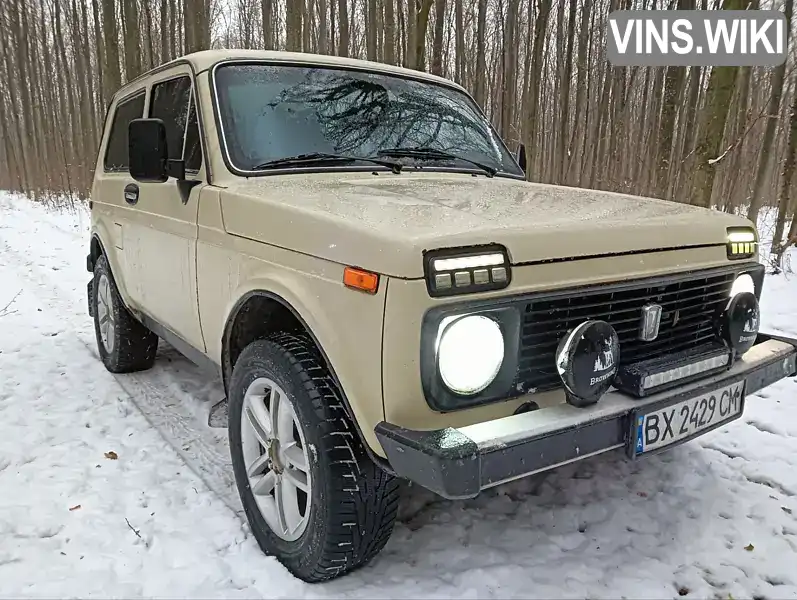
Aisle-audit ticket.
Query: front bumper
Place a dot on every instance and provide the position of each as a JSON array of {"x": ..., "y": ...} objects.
[{"x": 459, "y": 463}]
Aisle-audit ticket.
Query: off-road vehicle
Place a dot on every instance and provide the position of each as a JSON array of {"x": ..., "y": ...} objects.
[{"x": 385, "y": 296}]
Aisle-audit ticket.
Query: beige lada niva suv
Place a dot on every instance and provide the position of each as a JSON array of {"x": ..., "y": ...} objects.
[{"x": 386, "y": 297}]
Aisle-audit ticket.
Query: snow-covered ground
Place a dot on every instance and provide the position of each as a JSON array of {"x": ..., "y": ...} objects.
[{"x": 116, "y": 487}]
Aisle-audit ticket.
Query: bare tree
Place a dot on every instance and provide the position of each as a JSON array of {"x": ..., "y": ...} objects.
[
  {"x": 776, "y": 91},
  {"x": 720, "y": 137}
]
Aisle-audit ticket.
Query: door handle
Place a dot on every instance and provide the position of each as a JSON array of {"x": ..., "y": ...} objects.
[{"x": 131, "y": 193}]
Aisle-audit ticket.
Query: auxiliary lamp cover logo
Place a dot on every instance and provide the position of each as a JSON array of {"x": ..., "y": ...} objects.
[
  {"x": 605, "y": 358},
  {"x": 751, "y": 323}
]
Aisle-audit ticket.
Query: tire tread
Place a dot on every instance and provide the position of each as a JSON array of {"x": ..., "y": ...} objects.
[
  {"x": 363, "y": 499},
  {"x": 135, "y": 346}
]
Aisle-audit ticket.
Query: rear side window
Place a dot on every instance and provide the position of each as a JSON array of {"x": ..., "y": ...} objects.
[
  {"x": 173, "y": 103},
  {"x": 116, "y": 155}
]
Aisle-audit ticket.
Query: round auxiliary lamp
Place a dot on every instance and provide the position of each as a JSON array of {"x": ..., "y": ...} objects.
[
  {"x": 587, "y": 360},
  {"x": 739, "y": 322}
]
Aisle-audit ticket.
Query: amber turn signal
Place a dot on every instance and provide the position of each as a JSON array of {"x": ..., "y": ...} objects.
[{"x": 360, "y": 280}]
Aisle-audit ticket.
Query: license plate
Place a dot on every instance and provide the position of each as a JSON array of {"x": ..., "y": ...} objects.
[{"x": 664, "y": 426}]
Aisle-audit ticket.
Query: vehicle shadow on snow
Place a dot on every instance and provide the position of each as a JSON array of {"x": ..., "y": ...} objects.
[
  {"x": 582, "y": 520},
  {"x": 563, "y": 521}
]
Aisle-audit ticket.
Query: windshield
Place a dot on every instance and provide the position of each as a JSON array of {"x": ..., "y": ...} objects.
[{"x": 271, "y": 112}]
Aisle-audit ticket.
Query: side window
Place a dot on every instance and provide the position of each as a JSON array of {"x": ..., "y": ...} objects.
[
  {"x": 172, "y": 102},
  {"x": 116, "y": 155}
]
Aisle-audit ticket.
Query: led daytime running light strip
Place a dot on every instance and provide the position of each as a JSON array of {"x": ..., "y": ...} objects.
[
  {"x": 741, "y": 236},
  {"x": 468, "y": 262},
  {"x": 701, "y": 366},
  {"x": 742, "y": 247}
]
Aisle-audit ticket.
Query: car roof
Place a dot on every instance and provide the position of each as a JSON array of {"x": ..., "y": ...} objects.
[{"x": 206, "y": 59}]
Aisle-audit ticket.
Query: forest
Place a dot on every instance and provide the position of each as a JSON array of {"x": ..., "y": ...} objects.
[{"x": 723, "y": 137}]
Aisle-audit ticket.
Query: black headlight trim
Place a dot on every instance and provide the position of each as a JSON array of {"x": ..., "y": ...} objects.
[
  {"x": 739, "y": 250},
  {"x": 466, "y": 280},
  {"x": 438, "y": 396}
]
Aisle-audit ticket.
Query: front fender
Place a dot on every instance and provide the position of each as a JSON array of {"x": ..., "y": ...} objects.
[
  {"x": 345, "y": 324},
  {"x": 111, "y": 246}
]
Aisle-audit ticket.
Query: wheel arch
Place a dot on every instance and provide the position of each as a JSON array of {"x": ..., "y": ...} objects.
[
  {"x": 258, "y": 303},
  {"x": 98, "y": 248}
]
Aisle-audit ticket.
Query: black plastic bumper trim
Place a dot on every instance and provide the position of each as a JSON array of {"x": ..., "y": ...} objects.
[
  {"x": 537, "y": 454},
  {"x": 453, "y": 465}
]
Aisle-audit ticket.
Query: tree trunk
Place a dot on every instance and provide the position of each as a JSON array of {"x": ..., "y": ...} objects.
[
  {"x": 343, "y": 19},
  {"x": 437, "y": 40},
  {"x": 773, "y": 110},
  {"x": 509, "y": 56},
  {"x": 564, "y": 116},
  {"x": 323, "y": 33},
  {"x": 787, "y": 177},
  {"x": 390, "y": 32},
  {"x": 673, "y": 87},
  {"x": 480, "y": 90},
  {"x": 715, "y": 114},
  {"x": 581, "y": 83},
  {"x": 174, "y": 38},
  {"x": 132, "y": 48},
  {"x": 371, "y": 29},
  {"x": 293, "y": 24},
  {"x": 111, "y": 71},
  {"x": 682, "y": 185},
  {"x": 421, "y": 27},
  {"x": 459, "y": 43},
  {"x": 148, "y": 27},
  {"x": 164, "y": 25},
  {"x": 306, "y": 10},
  {"x": 532, "y": 109}
]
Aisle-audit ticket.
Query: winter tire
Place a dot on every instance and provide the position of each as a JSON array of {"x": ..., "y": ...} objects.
[
  {"x": 312, "y": 496},
  {"x": 124, "y": 344}
]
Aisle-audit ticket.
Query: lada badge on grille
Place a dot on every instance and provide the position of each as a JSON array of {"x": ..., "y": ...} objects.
[{"x": 649, "y": 322}]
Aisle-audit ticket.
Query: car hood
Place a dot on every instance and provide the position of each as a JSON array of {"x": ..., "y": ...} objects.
[{"x": 384, "y": 222}]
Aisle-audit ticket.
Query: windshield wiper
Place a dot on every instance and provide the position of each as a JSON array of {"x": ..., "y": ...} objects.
[
  {"x": 434, "y": 154},
  {"x": 322, "y": 157}
]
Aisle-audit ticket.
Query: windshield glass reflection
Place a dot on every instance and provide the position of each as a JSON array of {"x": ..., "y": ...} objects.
[{"x": 270, "y": 112}]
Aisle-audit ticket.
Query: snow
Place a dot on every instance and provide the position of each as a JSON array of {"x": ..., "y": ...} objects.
[{"x": 716, "y": 517}]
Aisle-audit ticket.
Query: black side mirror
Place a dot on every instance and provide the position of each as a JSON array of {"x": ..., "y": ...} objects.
[
  {"x": 148, "y": 152},
  {"x": 521, "y": 156}
]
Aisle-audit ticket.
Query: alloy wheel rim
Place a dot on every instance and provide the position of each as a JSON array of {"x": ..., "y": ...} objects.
[
  {"x": 276, "y": 459},
  {"x": 105, "y": 314}
]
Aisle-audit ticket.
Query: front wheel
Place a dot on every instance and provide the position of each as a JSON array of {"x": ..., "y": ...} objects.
[{"x": 312, "y": 496}]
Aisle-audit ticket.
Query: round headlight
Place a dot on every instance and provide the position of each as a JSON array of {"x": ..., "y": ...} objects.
[
  {"x": 469, "y": 353},
  {"x": 743, "y": 283}
]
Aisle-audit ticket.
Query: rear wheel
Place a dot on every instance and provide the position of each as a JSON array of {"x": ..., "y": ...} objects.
[
  {"x": 124, "y": 344},
  {"x": 312, "y": 496}
]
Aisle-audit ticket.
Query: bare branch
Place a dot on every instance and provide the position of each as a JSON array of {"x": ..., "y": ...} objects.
[{"x": 4, "y": 311}]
